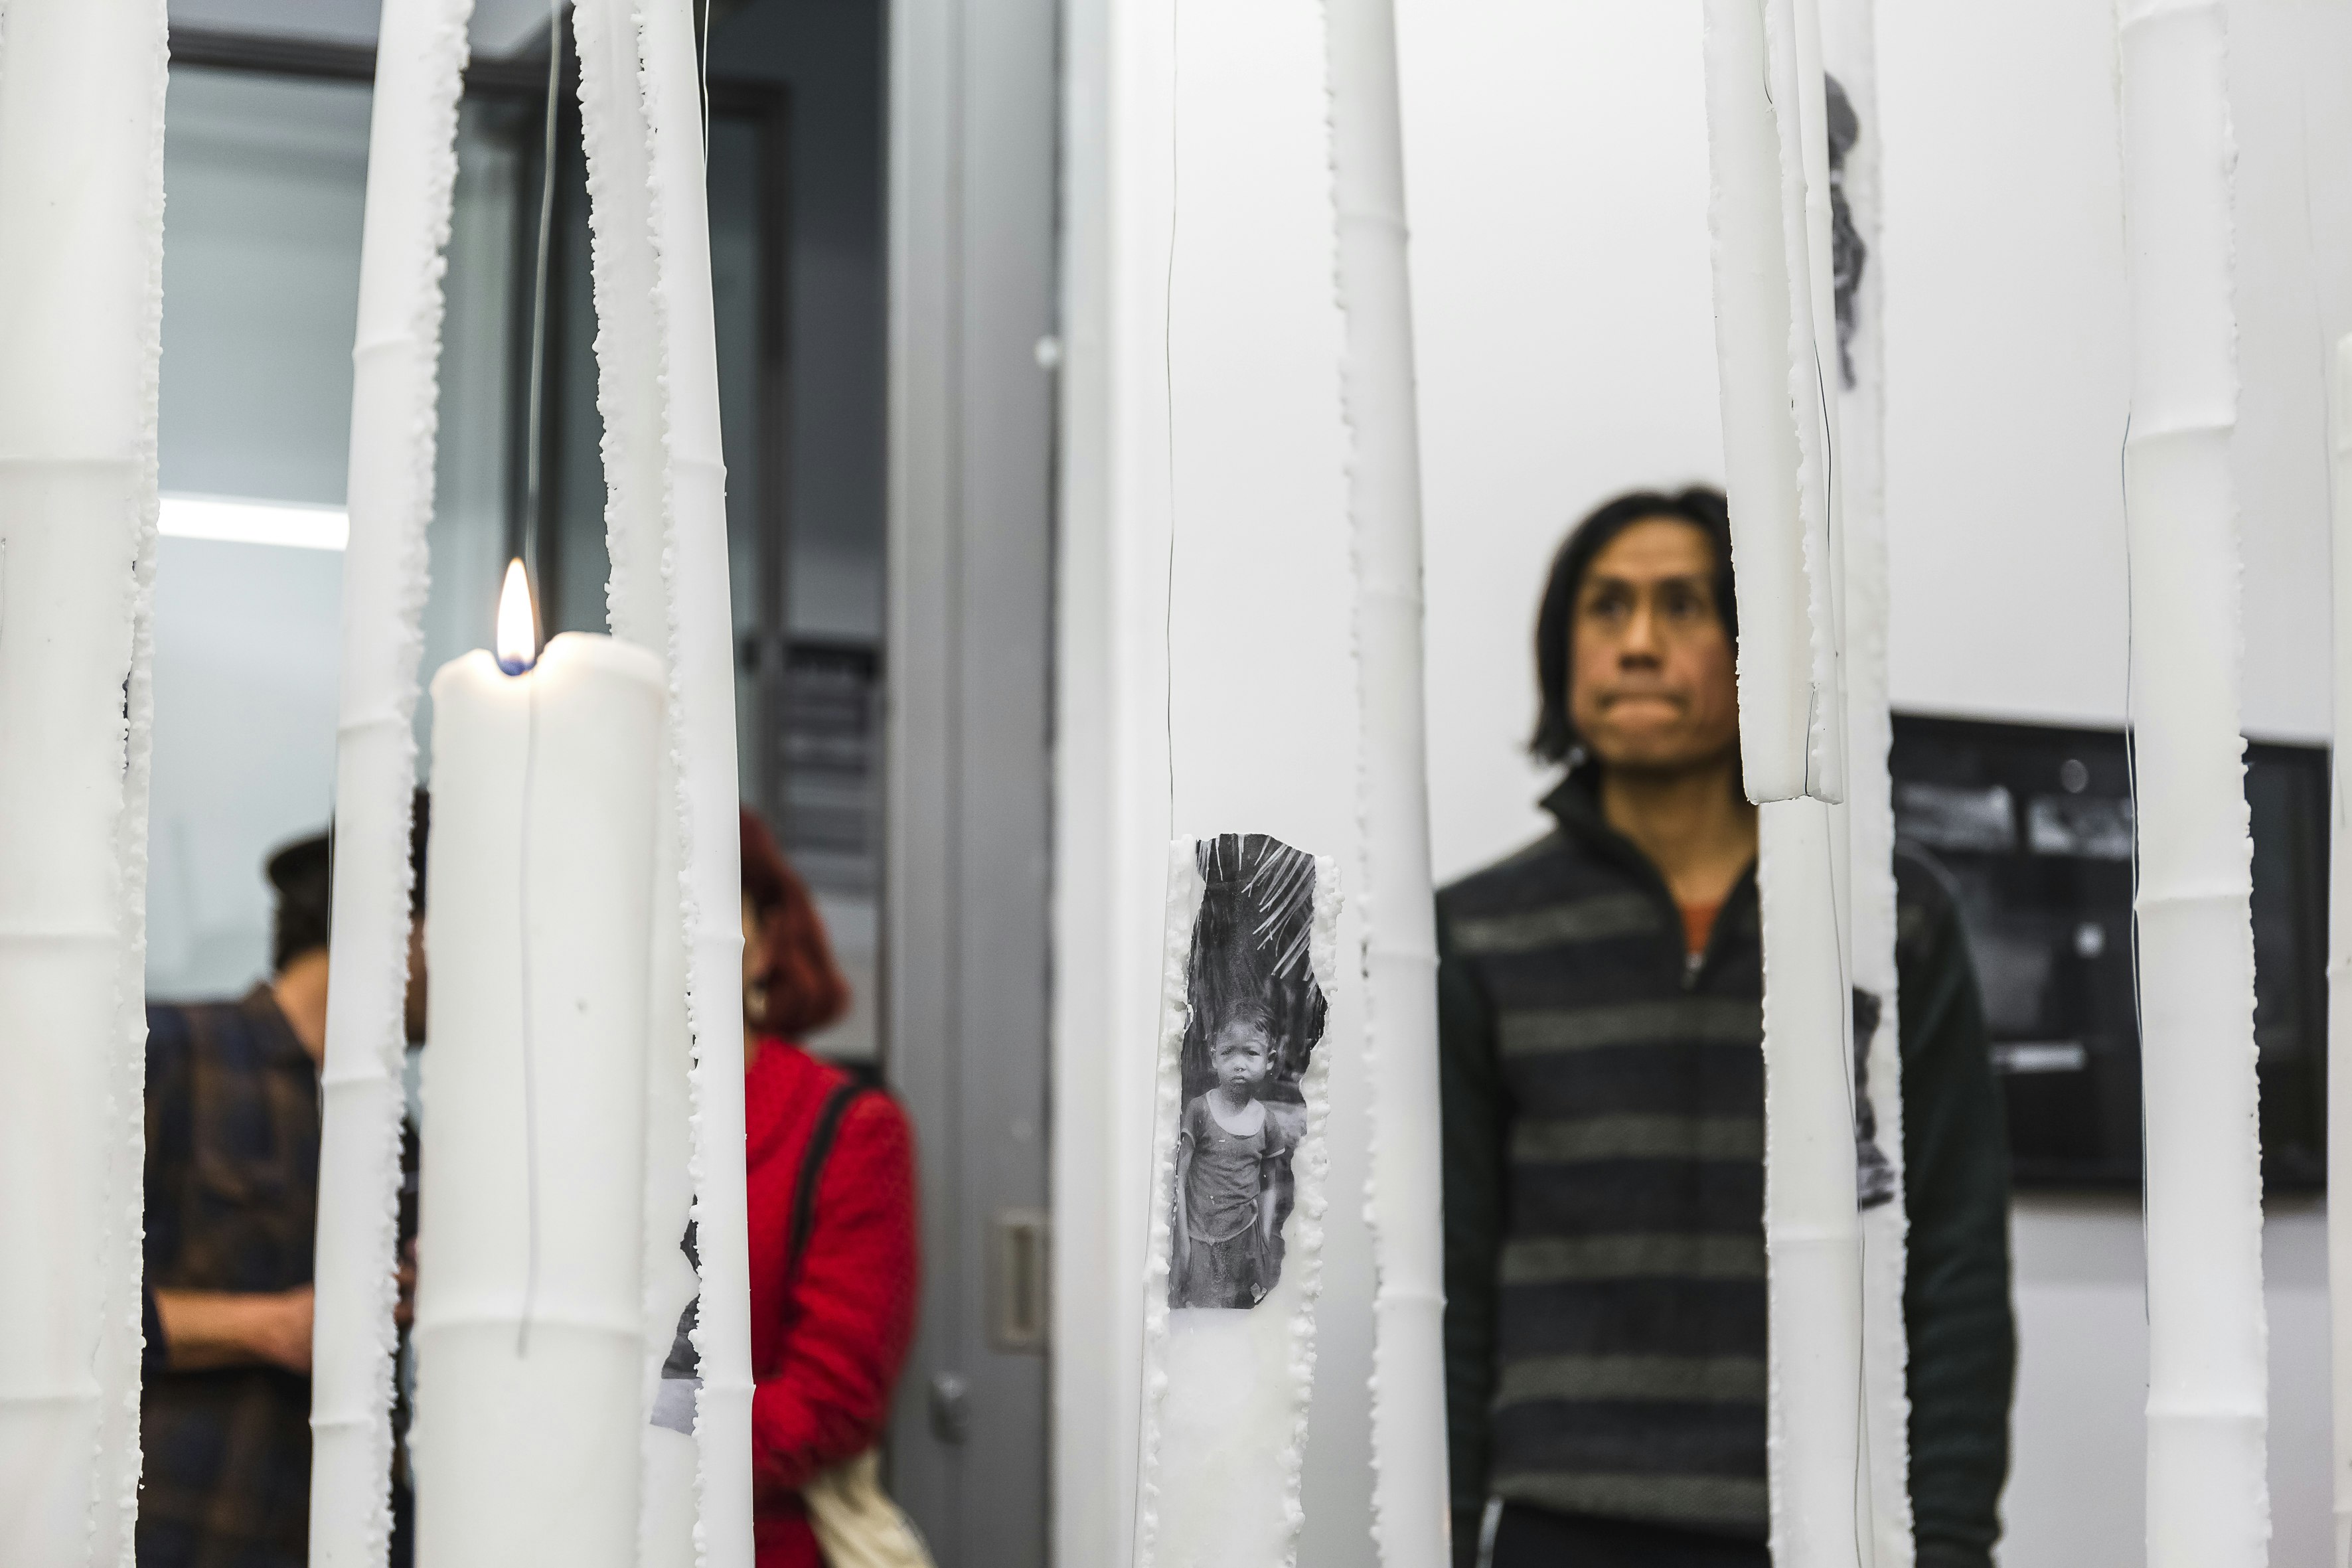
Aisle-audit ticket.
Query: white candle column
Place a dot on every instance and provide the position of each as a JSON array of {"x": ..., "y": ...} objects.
[
  {"x": 1410, "y": 1516},
  {"x": 631, "y": 400},
  {"x": 2339, "y": 955},
  {"x": 1752, "y": 329},
  {"x": 1849, "y": 52},
  {"x": 2208, "y": 1503},
  {"x": 702, "y": 663},
  {"x": 81, "y": 139},
  {"x": 1792, "y": 35},
  {"x": 1770, "y": 214},
  {"x": 530, "y": 1326},
  {"x": 411, "y": 173}
]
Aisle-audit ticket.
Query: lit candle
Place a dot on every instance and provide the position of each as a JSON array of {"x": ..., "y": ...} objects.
[
  {"x": 81, "y": 108},
  {"x": 529, "y": 1328}
]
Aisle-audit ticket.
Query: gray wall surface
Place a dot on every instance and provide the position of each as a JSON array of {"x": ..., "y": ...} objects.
[
  {"x": 829, "y": 54},
  {"x": 501, "y": 26}
]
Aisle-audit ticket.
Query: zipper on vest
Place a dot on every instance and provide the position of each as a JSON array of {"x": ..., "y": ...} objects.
[{"x": 1692, "y": 964}]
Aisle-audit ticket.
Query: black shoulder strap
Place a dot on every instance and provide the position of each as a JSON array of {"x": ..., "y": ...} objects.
[{"x": 820, "y": 1145}]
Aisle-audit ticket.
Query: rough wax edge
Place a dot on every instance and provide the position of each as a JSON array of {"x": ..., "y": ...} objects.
[
  {"x": 602, "y": 122},
  {"x": 1397, "y": 956},
  {"x": 631, "y": 400},
  {"x": 599, "y": 137},
  {"x": 689, "y": 912},
  {"x": 1793, "y": 74},
  {"x": 122, "y": 1339},
  {"x": 1849, "y": 45},
  {"x": 1313, "y": 1202},
  {"x": 714, "y": 936},
  {"x": 450, "y": 48},
  {"x": 1185, "y": 888}
]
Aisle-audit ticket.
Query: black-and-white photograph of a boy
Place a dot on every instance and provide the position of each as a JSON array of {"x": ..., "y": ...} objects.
[{"x": 1256, "y": 1016}]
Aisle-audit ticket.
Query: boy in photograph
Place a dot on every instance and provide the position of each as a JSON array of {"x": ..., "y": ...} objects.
[{"x": 1229, "y": 1150}]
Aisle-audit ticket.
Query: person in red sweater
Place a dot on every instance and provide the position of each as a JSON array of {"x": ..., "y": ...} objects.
[{"x": 829, "y": 1329}]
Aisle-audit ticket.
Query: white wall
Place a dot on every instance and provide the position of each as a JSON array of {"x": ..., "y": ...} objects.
[
  {"x": 1555, "y": 177},
  {"x": 264, "y": 182},
  {"x": 1557, "y": 183},
  {"x": 2009, "y": 364},
  {"x": 2077, "y": 1485},
  {"x": 245, "y": 749}
]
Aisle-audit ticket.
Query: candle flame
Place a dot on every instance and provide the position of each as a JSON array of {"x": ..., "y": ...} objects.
[{"x": 518, "y": 640}]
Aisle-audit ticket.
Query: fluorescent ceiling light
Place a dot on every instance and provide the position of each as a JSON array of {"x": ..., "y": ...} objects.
[{"x": 239, "y": 522}]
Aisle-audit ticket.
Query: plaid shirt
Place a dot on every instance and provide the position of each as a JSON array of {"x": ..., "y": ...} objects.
[{"x": 231, "y": 1203}]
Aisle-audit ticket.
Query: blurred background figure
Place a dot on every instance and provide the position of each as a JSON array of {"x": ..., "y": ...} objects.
[
  {"x": 1600, "y": 1021},
  {"x": 232, "y": 1186},
  {"x": 832, "y": 1200}
]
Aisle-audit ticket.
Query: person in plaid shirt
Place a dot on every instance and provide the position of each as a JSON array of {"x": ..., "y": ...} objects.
[{"x": 232, "y": 1184}]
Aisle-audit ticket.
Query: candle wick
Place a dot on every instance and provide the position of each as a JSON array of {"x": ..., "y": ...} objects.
[{"x": 529, "y": 1078}]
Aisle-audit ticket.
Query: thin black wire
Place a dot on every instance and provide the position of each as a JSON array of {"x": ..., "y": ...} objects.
[
  {"x": 1168, "y": 385},
  {"x": 2131, "y": 788},
  {"x": 2323, "y": 341},
  {"x": 1862, "y": 1489},
  {"x": 706, "y": 7},
  {"x": 1153, "y": 1196},
  {"x": 1829, "y": 553},
  {"x": 533, "y": 435},
  {"x": 1848, "y": 1044}
]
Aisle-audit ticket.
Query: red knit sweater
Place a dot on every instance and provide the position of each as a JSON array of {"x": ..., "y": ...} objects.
[{"x": 826, "y": 1353}]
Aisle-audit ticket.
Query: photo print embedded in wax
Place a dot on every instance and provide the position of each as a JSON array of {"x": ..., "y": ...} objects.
[{"x": 1255, "y": 1015}]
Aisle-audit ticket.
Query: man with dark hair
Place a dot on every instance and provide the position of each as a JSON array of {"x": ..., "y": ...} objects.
[
  {"x": 1600, "y": 1029},
  {"x": 232, "y": 1184}
]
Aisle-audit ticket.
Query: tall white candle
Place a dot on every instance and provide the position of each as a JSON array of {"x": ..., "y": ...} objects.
[
  {"x": 702, "y": 663},
  {"x": 1792, "y": 37},
  {"x": 81, "y": 129},
  {"x": 411, "y": 173},
  {"x": 1760, "y": 453},
  {"x": 1410, "y": 1504},
  {"x": 2339, "y": 956},
  {"x": 529, "y": 1327},
  {"x": 1849, "y": 51},
  {"x": 1811, "y": 1234},
  {"x": 2208, "y": 1503},
  {"x": 1764, "y": 121},
  {"x": 632, "y": 398}
]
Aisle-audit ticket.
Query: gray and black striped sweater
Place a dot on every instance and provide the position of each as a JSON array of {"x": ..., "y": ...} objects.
[{"x": 1604, "y": 1185}]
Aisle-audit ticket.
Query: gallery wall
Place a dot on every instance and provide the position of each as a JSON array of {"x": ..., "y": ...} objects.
[
  {"x": 263, "y": 183},
  {"x": 1557, "y": 180}
]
